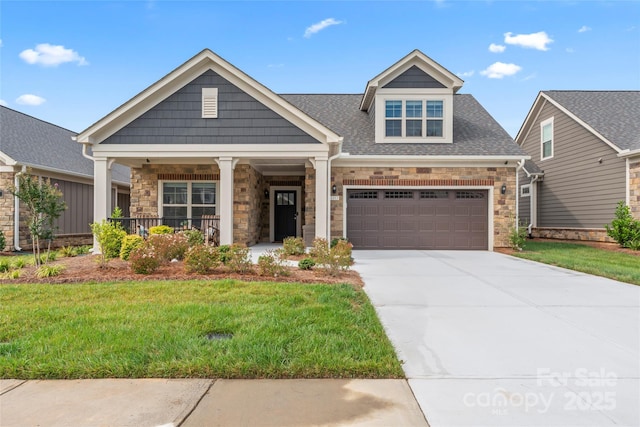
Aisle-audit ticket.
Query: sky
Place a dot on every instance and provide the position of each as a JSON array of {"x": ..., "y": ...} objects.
[{"x": 73, "y": 62}]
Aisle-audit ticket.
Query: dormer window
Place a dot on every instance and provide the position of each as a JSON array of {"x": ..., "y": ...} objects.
[{"x": 414, "y": 120}]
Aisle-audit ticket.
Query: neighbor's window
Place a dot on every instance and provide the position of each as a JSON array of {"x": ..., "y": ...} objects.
[
  {"x": 546, "y": 133},
  {"x": 188, "y": 199},
  {"x": 525, "y": 190},
  {"x": 414, "y": 118}
]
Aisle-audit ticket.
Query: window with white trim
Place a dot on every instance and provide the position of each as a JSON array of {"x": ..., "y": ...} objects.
[
  {"x": 546, "y": 139},
  {"x": 188, "y": 199},
  {"x": 414, "y": 118},
  {"x": 525, "y": 190}
]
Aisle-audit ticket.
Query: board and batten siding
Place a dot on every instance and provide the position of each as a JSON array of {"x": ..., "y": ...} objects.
[
  {"x": 241, "y": 119},
  {"x": 79, "y": 213},
  {"x": 583, "y": 181},
  {"x": 524, "y": 203}
]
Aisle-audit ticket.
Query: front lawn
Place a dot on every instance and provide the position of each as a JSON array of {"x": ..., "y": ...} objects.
[
  {"x": 600, "y": 262},
  {"x": 160, "y": 329}
]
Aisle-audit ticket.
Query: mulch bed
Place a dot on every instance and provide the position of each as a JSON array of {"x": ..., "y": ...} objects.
[{"x": 86, "y": 268}]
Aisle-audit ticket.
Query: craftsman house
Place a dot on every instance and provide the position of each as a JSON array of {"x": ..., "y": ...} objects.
[{"x": 409, "y": 163}]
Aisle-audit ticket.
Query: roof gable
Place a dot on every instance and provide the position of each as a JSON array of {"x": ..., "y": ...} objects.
[
  {"x": 414, "y": 77},
  {"x": 436, "y": 72},
  {"x": 612, "y": 116},
  {"x": 186, "y": 73}
]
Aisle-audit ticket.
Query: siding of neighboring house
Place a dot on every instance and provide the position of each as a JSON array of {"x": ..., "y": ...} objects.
[
  {"x": 241, "y": 119},
  {"x": 578, "y": 190},
  {"x": 524, "y": 203},
  {"x": 79, "y": 213},
  {"x": 414, "y": 78}
]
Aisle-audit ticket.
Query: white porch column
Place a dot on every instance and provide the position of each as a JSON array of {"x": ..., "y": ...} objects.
[
  {"x": 101, "y": 193},
  {"x": 225, "y": 200},
  {"x": 322, "y": 198}
]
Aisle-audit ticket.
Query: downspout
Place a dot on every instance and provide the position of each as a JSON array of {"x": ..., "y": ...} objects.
[
  {"x": 627, "y": 181},
  {"x": 16, "y": 211},
  {"x": 335, "y": 156},
  {"x": 520, "y": 166},
  {"x": 85, "y": 154}
]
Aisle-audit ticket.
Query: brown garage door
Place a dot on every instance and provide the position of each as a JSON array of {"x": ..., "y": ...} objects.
[{"x": 417, "y": 219}]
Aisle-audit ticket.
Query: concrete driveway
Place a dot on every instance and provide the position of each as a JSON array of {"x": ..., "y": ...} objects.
[{"x": 491, "y": 340}]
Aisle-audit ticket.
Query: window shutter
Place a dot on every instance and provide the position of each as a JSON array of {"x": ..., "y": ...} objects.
[{"x": 209, "y": 102}]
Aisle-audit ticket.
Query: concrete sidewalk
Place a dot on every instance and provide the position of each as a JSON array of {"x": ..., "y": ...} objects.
[{"x": 194, "y": 402}]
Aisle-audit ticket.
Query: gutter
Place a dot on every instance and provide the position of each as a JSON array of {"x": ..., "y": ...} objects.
[
  {"x": 629, "y": 153},
  {"x": 329, "y": 160},
  {"x": 16, "y": 211}
]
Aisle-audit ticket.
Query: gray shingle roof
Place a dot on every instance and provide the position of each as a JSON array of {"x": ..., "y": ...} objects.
[
  {"x": 613, "y": 114},
  {"x": 475, "y": 132},
  {"x": 36, "y": 143}
]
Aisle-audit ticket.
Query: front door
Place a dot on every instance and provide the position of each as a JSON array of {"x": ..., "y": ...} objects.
[{"x": 285, "y": 214}]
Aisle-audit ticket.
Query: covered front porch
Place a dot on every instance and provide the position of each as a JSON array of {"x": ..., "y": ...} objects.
[{"x": 252, "y": 198}]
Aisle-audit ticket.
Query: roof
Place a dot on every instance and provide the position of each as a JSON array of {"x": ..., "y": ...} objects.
[
  {"x": 615, "y": 115},
  {"x": 475, "y": 132},
  {"x": 35, "y": 143}
]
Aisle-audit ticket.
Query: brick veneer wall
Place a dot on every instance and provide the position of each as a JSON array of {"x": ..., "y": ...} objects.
[
  {"x": 634, "y": 187},
  {"x": 503, "y": 205},
  {"x": 247, "y": 205},
  {"x": 6, "y": 208},
  {"x": 591, "y": 234}
]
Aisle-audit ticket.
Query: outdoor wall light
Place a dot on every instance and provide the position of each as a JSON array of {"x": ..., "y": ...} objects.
[
  {"x": 503, "y": 190},
  {"x": 334, "y": 189},
  {"x": 1, "y": 194},
  {"x": 266, "y": 194}
]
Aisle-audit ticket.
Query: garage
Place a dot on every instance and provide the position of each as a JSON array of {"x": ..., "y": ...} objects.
[{"x": 418, "y": 219}]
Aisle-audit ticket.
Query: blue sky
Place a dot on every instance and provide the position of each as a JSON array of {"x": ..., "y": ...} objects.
[{"x": 73, "y": 62}]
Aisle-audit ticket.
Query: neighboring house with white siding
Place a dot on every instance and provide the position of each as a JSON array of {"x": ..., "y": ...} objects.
[
  {"x": 585, "y": 158},
  {"x": 49, "y": 151}
]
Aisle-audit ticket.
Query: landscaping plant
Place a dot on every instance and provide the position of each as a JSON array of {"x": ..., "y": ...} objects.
[
  {"x": 109, "y": 236},
  {"x": 306, "y": 264},
  {"x": 624, "y": 229},
  {"x": 201, "y": 259},
  {"x": 293, "y": 246},
  {"x": 129, "y": 243},
  {"x": 517, "y": 237},
  {"x": 3, "y": 241},
  {"x": 49, "y": 271},
  {"x": 238, "y": 259},
  {"x": 43, "y": 204},
  {"x": 169, "y": 246},
  {"x": 68, "y": 251},
  {"x": 144, "y": 260},
  {"x": 271, "y": 263},
  {"x": 332, "y": 260},
  {"x": 194, "y": 237},
  {"x": 161, "y": 229}
]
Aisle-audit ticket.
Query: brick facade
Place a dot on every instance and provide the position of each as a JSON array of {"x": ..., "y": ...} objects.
[
  {"x": 248, "y": 187},
  {"x": 634, "y": 187},
  {"x": 592, "y": 234},
  {"x": 503, "y": 205}
]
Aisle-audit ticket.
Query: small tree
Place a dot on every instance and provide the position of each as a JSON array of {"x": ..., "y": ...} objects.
[{"x": 43, "y": 203}]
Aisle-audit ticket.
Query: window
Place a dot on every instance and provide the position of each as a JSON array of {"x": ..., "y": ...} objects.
[
  {"x": 525, "y": 190},
  {"x": 414, "y": 118},
  {"x": 546, "y": 137},
  {"x": 184, "y": 200}
]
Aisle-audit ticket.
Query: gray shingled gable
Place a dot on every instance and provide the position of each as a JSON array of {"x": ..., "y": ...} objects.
[
  {"x": 475, "y": 132},
  {"x": 414, "y": 78},
  {"x": 37, "y": 143},
  {"x": 613, "y": 114}
]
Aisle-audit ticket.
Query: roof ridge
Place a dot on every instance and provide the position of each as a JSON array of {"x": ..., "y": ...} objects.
[{"x": 38, "y": 119}]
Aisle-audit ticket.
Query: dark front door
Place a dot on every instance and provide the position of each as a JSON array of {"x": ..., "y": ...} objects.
[{"x": 285, "y": 214}]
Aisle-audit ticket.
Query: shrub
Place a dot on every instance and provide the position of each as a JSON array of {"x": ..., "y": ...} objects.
[
  {"x": 332, "y": 260},
  {"x": 238, "y": 259},
  {"x": 335, "y": 241},
  {"x": 68, "y": 251},
  {"x": 109, "y": 236},
  {"x": 194, "y": 237},
  {"x": 161, "y": 229},
  {"x": 293, "y": 246},
  {"x": 271, "y": 263},
  {"x": 624, "y": 229},
  {"x": 169, "y": 246},
  {"x": 5, "y": 265},
  {"x": 129, "y": 243},
  {"x": 143, "y": 260},
  {"x": 201, "y": 259},
  {"x": 12, "y": 274},
  {"x": 49, "y": 271},
  {"x": 83, "y": 250},
  {"x": 3, "y": 241},
  {"x": 18, "y": 263},
  {"x": 48, "y": 256},
  {"x": 306, "y": 264},
  {"x": 223, "y": 253},
  {"x": 517, "y": 237}
]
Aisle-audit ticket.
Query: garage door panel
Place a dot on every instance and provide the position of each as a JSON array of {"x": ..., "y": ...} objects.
[{"x": 421, "y": 219}]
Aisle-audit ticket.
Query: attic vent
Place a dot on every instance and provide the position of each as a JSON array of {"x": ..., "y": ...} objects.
[{"x": 209, "y": 102}]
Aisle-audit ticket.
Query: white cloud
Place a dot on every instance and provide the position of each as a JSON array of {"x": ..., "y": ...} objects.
[
  {"x": 537, "y": 41},
  {"x": 499, "y": 70},
  {"x": 29, "y": 99},
  {"x": 496, "y": 48},
  {"x": 466, "y": 73},
  {"x": 319, "y": 26},
  {"x": 51, "y": 55},
  {"x": 3, "y": 102},
  {"x": 569, "y": 50},
  {"x": 584, "y": 29}
]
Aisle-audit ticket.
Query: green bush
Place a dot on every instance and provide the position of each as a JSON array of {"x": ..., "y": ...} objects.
[
  {"x": 5, "y": 265},
  {"x": 3, "y": 241},
  {"x": 238, "y": 259},
  {"x": 271, "y": 263},
  {"x": 332, "y": 260},
  {"x": 306, "y": 264},
  {"x": 161, "y": 229},
  {"x": 624, "y": 229},
  {"x": 293, "y": 246},
  {"x": 335, "y": 241},
  {"x": 49, "y": 271},
  {"x": 18, "y": 263},
  {"x": 83, "y": 250},
  {"x": 143, "y": 259},
  {"x": 48, "y": 256},
  {"x": 223, "y": 253},
  {"x": 109, "y": 236},
  {"x": 68, "y": 251},
  {"x": 201, "y": 259},
  {"x": 517, "y": 237},
  {"x": 169, "y": 246},
  {"x": 194, "y": 237},
  {"x": 129, "y": 243}
]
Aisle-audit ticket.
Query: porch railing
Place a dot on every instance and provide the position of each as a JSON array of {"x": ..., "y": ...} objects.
[{"x": 209, "y": 225}]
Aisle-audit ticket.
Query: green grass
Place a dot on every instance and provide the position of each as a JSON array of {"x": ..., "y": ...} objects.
[
  {"x": 158, "y": 329},
  {"x": 600, "y": 262}
]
